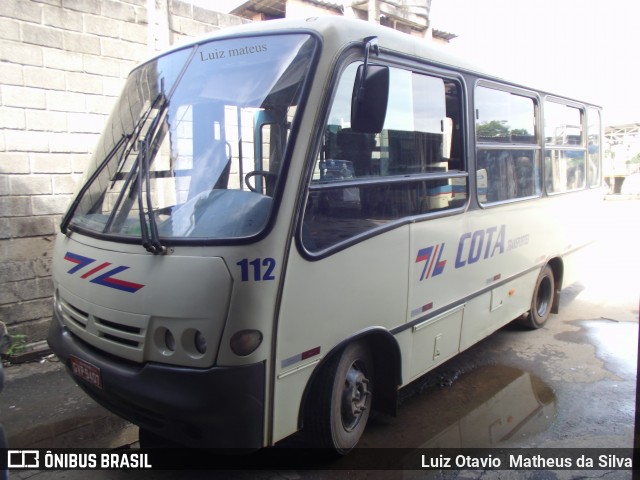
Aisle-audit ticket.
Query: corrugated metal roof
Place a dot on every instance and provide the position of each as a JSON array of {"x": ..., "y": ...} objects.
[
  {"x": 328, "y": 4},
  {"x": 270, "y": 8},
  {"x": 443, "y": 35},
  {"x": 277, "y": 8}
]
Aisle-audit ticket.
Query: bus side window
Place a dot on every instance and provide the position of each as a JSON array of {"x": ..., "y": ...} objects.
[
  {"x": 412, "y": 167},
  {"x": 565, "y": 157},
  {"x": 505, "y": 120},
  {"x": 507, "y": 174},
  {"x": 357, "y": 148}
]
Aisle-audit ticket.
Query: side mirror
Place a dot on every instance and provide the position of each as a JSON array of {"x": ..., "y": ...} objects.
[
  {"x": 370, "y": 98},
  {"x": 370, "y": 93}
]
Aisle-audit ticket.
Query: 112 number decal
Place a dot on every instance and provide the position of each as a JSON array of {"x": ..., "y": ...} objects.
[{"x": 257, "y": 270}]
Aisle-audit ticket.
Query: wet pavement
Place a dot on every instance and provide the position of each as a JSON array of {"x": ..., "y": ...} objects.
[
  {"x": 571, "y": 384},
  {"x": 41, "y": 407}
]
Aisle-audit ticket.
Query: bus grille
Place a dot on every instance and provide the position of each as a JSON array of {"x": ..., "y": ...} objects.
[{"x": 113, "y": 336}]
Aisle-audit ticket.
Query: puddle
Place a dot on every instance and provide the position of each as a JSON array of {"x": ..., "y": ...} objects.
[
  {"x": 616, "y": 343},
  {"x": 491, "y": 406}
]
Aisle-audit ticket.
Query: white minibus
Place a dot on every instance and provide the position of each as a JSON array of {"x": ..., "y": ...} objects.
[{"x": 286, "y": 222}]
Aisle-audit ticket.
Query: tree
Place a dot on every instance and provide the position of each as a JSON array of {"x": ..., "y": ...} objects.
[{"x": 494, "y": 128}]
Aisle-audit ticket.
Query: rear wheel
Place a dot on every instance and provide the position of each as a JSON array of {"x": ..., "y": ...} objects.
[
  {"x": 542, "y": 300},
  {"x": 341, "y": 401}
]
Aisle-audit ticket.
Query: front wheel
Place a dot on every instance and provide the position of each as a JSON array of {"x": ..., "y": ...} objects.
[
  {"x": 341, "y": 400},
  {"x": 542, "y": 300}
]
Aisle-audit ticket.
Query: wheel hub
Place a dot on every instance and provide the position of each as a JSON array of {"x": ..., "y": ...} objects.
[{"x": 354, "y": 397}]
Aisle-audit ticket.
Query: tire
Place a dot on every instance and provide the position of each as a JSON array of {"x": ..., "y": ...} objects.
[
  {"x": 340, "y": 404},
  {"x": 542, "y": 301}
]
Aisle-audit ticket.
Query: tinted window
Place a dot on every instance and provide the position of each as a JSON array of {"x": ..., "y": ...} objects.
[
  {"x": 562, "y": 124},
  {"x": 363, "y": 181},
  {"x": 565, "y": 156},
  {"x": 505, "y": 119}
]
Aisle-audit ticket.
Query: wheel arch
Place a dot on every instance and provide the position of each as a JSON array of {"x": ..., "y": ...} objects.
[{"x": 387, "y": 366}]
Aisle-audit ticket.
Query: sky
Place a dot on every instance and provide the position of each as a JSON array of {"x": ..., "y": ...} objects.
[{"x": 584, "y": 49}]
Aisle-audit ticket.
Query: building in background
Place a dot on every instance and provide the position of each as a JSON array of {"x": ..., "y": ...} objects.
[
  {"x": 621, "y": 163},
  {"x": 408, "y": 16}
]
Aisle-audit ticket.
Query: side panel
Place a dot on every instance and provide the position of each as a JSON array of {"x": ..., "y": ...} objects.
[
  {"x": 478, "y": 270},
  {"x": 435, "y": 340},
  {"x": 327, "y": 301},
  {"x": 468, "y": 269},
  {"x": 501, "y": 254},
  {"x": 578, "y": 216}
]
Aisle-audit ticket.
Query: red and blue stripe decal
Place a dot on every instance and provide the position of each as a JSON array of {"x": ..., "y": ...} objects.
[
  {"x": 105, "y": 279},
  {"x": 79, "y": 260},
  {"x": 432, "y": 258},
  {"x": 300, "y": 357}
]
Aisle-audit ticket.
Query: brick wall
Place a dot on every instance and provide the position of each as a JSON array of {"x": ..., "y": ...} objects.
[{"x": 62, "y": 63}]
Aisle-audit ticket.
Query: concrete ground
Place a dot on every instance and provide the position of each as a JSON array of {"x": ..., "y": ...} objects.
[{"x": 571, "y": 384}]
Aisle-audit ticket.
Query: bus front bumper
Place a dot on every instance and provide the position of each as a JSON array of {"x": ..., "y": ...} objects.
[{"x": 219, "y": 407}]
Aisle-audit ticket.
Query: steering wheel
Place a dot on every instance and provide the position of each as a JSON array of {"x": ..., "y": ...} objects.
[{"x": 262, "y": 173}]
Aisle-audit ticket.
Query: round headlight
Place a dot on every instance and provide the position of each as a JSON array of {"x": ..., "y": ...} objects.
[
  {"x": 200, "y": 342},
  {"x": 170, "y": 341}
]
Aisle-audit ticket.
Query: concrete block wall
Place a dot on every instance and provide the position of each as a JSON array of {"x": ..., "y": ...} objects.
[{"x": 62, "y": 65}]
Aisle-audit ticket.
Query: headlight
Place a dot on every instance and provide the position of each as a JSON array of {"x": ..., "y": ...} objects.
[
  {"x": 184, "y": 342},
  {"x": 200, "y": 342},
  {"x": 170, "y": 340}
]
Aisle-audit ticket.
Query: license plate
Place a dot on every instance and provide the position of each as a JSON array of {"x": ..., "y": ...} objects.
[{"x": 87, "y": 372}]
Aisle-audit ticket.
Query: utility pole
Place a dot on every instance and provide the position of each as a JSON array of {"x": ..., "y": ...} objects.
[{"x": 158, "y": 33}]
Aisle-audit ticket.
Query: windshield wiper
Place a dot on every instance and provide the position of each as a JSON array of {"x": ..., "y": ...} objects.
[
  {"x": 124, "y": 140},
  {"x": 137, "y": 129},
  {"x": 150, "y": 237},
  {"x": 64, "y": 225}
]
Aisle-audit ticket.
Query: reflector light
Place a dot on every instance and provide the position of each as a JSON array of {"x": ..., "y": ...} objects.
[{"x": 245, "y": 342}]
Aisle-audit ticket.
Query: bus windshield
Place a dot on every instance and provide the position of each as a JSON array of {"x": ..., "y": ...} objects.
[{"x": 194, "y": 147}]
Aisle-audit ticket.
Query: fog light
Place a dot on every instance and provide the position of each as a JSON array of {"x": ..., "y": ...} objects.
[
  {"x": 201, "y": 343},
  {"x": 245, "y": 342},
  {"x": 169, "y": 341}
]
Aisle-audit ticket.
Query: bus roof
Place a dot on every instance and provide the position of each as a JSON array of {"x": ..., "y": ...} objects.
[{"x": 337, "y": 32}]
